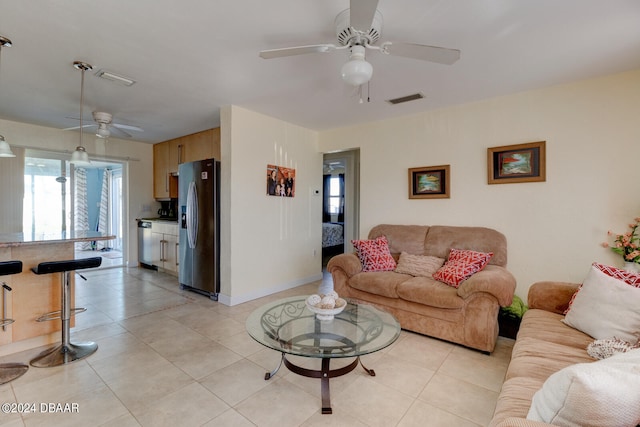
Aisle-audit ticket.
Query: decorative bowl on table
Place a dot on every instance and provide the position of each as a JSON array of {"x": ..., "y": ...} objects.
[{"x": 326, "y": 306}]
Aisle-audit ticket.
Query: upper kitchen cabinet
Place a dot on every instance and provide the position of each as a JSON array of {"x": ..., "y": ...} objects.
[
  {"x": 202, "y": 145},
  {"x": 165, "y": 185},
  {"x": 169, "y": 154}
]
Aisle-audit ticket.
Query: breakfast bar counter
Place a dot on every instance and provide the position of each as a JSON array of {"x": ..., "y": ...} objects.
[{"x": 30, "y": 295}]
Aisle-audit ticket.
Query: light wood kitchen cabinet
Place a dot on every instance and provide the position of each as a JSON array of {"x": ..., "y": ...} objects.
[
  {"x": 165, "y": 185},
  {"x": 168, "y": 155},
  {"x": 164, "y": 246},
  {"x": 202, "y": 145}
]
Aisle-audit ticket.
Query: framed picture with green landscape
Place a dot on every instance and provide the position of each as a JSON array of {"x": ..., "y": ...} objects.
[
  {"x": 429, "y": 182},
  {"x": 517, "y": 163}
]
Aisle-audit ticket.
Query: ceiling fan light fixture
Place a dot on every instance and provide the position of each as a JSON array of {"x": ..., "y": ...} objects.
[
  {"x": 5, "y": 149},
  {"x": 103, "y": 131},
  {"x": 80, "y": 157},
  {"x": 357, "y": 70}
]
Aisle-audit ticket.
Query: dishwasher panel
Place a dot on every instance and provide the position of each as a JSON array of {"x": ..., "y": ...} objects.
[{"x": 145, "y": 244}]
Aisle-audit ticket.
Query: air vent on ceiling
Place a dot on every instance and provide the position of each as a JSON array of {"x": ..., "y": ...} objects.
[
  {"x": 108, "y": 75},
  {"x": 405, "y": 98}
]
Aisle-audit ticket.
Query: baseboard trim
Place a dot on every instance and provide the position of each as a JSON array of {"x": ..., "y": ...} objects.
[{"x": 239, "y": 299}]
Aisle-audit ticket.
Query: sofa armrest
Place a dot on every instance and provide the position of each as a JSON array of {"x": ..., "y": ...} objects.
[
  {"x": 520, "y": 422},
  {"x": 349, "y": 263},
  {"x": 494, "y": 280},
  {"x": 551, "y": 296}
]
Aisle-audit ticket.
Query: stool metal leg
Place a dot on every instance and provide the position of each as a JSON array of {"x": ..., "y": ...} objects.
[
  {"x": 66, "y": 352},
  {"x": 9, "y": 371}
]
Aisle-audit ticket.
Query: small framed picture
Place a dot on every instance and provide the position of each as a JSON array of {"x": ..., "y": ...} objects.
[
  {"x": 429, "y": 182},
  {"x": 281, "y": 181},
  {"x": 517, "y": 163}
]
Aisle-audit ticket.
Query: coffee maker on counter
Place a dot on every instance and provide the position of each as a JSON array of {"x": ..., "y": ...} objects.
[{"x": 168, "y": 209}]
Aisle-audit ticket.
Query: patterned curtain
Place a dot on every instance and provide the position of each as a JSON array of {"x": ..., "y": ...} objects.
[
  {"x": 103, "y": 219},
  {"x": 81, "y": 207}
]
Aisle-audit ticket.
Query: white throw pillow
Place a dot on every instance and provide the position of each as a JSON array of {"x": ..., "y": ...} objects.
[
  {"x": 606, "y": 308},
  {"x": 603, "y": 393}
]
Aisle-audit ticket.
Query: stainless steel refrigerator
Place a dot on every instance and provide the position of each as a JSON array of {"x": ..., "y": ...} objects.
[{"x": 198, "y": 204}]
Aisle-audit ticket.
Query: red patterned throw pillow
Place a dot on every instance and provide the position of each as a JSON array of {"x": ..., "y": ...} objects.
[
  {"x": 374, "y": 254},
  {"x": 461, "y": 265},
  {"x": 627, "y": 277}
]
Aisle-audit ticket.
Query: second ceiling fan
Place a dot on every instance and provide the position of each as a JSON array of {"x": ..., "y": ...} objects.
[
  {"x": 105, "y": 125},
  {"x": 358, "y": 29}
]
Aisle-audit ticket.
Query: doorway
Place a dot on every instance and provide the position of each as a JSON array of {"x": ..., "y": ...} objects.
[
  {"x": 340, "y": 211},
  {"x": 60, "y": 198}
]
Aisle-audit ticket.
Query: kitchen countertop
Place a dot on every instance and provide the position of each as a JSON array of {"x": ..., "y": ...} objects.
[
  {"x": 175, "y": 221},
  {"x": 22, "y": 239}
]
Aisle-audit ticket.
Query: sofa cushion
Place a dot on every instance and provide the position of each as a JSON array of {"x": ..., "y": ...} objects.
[
  {"x": 424, "y": 290},
  {"x": 418, "y": 265},
  {"x": 402, "y": 238},
  {"x": 374, "y": 254},
  {"x": 515, "y": 399},
  {"x": 539, "y": 358},
  {"x": 382, "y": 283},
  {"x": 461, "y": 265},
  {"x": 440, "y": 239},
  {"x": 603, "y": 393},
  {"x": 535, "y": 321},
  {"x": 606, "y": 307}
]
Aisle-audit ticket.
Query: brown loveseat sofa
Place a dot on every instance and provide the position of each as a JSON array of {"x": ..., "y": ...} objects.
[
  {"x": 544, "y": 346},
  {"x": 467, "y": 315}
]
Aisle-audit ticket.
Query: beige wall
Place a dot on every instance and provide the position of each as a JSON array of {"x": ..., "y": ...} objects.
[
  {"x": 139, "y": 172},
  {"x": 268, "y": 243},
  {"x": 554, "y": 228}
]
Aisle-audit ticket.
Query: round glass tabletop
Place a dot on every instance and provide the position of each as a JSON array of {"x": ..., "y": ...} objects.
[{"x": 288, "y": 326}]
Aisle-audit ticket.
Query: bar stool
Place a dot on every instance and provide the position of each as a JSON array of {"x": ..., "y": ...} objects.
[
  {"x": 9, "y": 371},
  {"x": 66, "y": 352}
]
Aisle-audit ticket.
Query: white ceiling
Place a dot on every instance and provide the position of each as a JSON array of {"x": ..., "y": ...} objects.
[{"x": 191, "y": 57}]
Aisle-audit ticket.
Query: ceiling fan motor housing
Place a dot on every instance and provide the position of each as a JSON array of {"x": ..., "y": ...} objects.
[
  {"x": 102, "y": 118},
  {"x": 348, "y": 35}
]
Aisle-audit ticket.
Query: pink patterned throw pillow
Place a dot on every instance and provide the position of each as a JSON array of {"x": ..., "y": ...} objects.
[
  {"x": 374, "y": 254},
  {"x": 461, "y": 265},
  {"x": 627, "y": 277}
]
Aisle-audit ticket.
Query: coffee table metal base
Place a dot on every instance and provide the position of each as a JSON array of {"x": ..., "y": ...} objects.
[{"x": 325, "y": 373}]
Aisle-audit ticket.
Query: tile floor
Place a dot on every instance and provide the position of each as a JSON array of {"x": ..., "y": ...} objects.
[{"x": 172, "y": 358}]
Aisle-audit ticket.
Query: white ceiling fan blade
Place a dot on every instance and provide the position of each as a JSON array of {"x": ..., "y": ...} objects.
[
  {"x": 361, "y": 14},
  {"x": 423, "y": 52},
  {"x": 299, "y": 50},
  {"x": 127, "y": 127},
  {"x": 116, "y": 130},
  {"x": 78, "y": 127}
]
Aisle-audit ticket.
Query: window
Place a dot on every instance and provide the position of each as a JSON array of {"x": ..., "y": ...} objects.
[
  {"x": 46, "y": 196},
  {"x": 334, "y": 195}
]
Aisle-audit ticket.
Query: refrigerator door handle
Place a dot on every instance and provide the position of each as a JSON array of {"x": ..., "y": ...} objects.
[{"x": 192, "y": 215}]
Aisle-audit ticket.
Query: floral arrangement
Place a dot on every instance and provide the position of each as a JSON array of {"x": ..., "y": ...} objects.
[{"x": 627, "y": 244}]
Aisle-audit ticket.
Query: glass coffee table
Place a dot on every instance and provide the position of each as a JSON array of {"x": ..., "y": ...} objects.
[{"x": 289, "y": 327}]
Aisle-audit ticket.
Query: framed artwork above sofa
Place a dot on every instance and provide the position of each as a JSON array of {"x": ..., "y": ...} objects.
[
  {"x": 429, "y": 182},
  {"x": 517, "y": 163}
]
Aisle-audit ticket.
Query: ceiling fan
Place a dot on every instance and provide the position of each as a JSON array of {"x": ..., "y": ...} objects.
[
  {"x": 359, "y": 28},
  {"x": 105, "y": 125}
]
